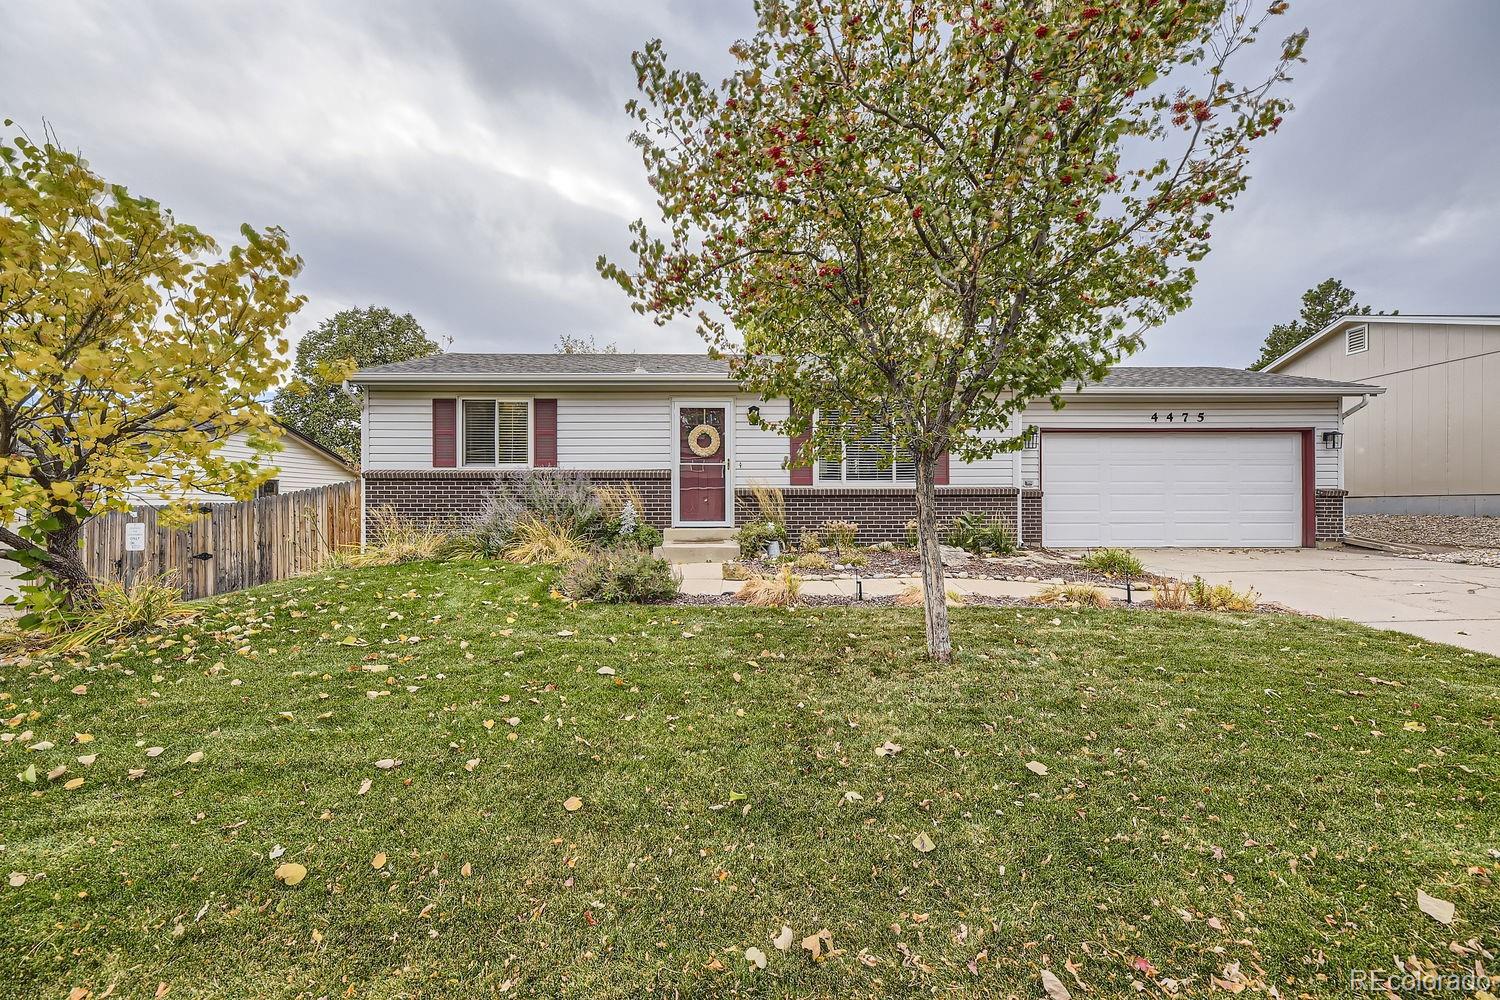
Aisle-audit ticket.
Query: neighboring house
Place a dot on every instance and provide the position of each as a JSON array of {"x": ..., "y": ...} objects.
[
  {"x": 1148, "y": 456},
  {"x": 1432, "y": 446},
  {"x": 301, "y": 464}
]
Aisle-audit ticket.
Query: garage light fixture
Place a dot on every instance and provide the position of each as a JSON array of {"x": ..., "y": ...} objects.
[
  {"x": 754, "y": 414},
  {"x": 1033, "y": 438},
  {"x": 1333, "y": 440}
]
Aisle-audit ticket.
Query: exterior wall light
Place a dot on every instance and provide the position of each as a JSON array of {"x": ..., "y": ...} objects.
[
  {"x": 1033, "y": 438},
  {"x": 754, "y": 413},
  {"x": 1333, "y": 440}
]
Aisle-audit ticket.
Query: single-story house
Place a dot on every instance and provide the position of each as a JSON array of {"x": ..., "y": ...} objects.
[
  {"x": 1147, "y": 456},
  {"x": 1432, "y": 446}
]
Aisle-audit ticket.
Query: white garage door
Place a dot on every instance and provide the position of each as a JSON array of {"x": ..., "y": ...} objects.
[{"x": 1168, "y": 488}]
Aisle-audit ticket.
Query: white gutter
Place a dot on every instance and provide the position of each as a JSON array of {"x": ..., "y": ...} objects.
[{"x": 1364, "y": 401}]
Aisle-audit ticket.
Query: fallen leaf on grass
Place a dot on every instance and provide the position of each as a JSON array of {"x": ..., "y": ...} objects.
[
  {"x": 155, "y": 751},
  {"x": 572, "y": 804},
  {"x": 378, "y": 861},
  {"x": 75, "y": 783},
  {"x": 923, "y": 843},
  {"x": 17, "y": 879},
  {"x": 1036, "y": 767},
  {"x": 387, "y": 763},
  {"x": 291, "y": 873},
  {"x": 755, "y": 957},
  {"x": 1438, "y": 909},
  {"x": 83, "y": 737},
  {"x": 818, "y": 945},
  {"x": 888, "y": 748},
  {"x": 88, "y": 759},
  {"x": 605, "y": 671},
  {"x": 466, "y": 870},
  {"x": 1054, "y": 987},
  {"x": 471, "y": 764},
  {"x": 364, "y": 786},
  {"x": 196, "y": 757},
  {"x": 783, "y": 941}
]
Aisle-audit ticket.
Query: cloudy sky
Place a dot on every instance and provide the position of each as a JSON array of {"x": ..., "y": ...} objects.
[{"x": 467, "y": 160}]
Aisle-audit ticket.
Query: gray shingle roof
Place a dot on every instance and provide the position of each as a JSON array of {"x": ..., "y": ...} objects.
[
  {"x": 554, "y": 364},
  {"x": 604, "y": 365},
  {"x": 1132, "y": 377}
]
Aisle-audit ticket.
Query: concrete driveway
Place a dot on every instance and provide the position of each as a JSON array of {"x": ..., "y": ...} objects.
[{"x": 1445, "y": 602}]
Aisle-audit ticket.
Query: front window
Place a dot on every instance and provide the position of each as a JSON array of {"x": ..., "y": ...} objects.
[
  {"x": 865, "y": 459},
  {"x": 496, "y": 432}
]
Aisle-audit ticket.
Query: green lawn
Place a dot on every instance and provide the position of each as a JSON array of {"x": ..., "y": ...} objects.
[{"x": 1219, "y": 789}]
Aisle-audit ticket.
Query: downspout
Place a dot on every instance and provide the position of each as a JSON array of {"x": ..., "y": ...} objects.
[{"x": 1364, "y": 401}]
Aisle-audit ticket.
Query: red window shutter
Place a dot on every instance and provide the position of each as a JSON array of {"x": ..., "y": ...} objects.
[
  {"x": 940, "y": 474},
  {"x": 544, "y": 433},
  {"x": 802, "y": 475},
  {"x": 444, "y": 433}
]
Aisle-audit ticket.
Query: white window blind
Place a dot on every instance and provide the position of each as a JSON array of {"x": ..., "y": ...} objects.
[
  {"x": 514, "y": 435},
  {"x": 479, "y": 432},
  {"x": 866, "y": 459},
  {"x": 496, "y": 432}
]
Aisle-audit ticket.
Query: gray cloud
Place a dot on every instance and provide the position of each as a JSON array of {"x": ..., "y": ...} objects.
[{"x": 468, "y": 160}]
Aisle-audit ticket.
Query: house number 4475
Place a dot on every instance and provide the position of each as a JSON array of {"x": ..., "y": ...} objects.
[{"x": 1177, "y": 417}]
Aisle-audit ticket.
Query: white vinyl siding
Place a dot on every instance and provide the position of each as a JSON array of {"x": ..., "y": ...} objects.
[
  {"x": 1319, "y": 414},
  {"x": 760, "y": 454},
  {"x": 633, "y": 430},
  {"x": 495, "y": 432},
  {"x": 298, "y": 467}
]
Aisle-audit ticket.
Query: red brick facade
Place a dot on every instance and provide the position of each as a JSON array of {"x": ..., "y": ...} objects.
[
  {"x": 881, "y": 512},
  {"x": 451, "y": 497},
  {"x": 1328, "y": 514}
]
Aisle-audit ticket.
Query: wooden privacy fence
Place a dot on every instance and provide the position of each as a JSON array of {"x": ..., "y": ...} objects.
[{"x": 229, "y": 546}]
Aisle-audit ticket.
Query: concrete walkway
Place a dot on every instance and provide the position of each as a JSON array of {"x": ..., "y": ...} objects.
[
  {"x": 1445, "y": 602},
  {"x": 706, "y": 578}
]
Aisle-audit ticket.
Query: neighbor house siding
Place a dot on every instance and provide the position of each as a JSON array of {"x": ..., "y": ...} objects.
[
  {"x": 1435, "y": 434},
  {"x": 298, "y": 467}
]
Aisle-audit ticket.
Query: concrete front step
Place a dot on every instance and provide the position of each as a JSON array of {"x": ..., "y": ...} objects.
[
  {"x": 672, "y": 536},
  {"x": 698, "y": 552}
]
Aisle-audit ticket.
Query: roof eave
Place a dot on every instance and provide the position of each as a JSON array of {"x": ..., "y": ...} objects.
[
  {"x": 512, "y": 380},
  {"x": 1327, "y": 391}
]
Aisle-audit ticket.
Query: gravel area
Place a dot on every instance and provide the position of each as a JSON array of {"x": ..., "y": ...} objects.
[
  {"x": 1029, "y": 565},
  {"x": 1451, "y": 537}
]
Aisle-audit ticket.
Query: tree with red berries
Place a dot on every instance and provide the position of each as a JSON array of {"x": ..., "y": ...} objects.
[{"x": 924, "y": 216}]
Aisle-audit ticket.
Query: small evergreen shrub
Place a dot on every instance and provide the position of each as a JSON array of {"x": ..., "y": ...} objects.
[
  {"x": 621, "y": 576},
  {"x": 754, "y": 536}
]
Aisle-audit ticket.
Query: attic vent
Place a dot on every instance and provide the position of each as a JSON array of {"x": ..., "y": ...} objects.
[{"x": 1356, "y": 339}]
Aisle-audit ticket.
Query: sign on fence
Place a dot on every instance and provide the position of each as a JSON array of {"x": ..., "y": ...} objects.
[{"x": 228, "y": 546}]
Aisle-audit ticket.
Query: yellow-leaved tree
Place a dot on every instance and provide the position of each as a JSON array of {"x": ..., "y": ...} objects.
[{"x": 130, "y": 348}]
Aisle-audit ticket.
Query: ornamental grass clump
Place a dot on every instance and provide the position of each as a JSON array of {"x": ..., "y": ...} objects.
[
  {"x": 1221, "y": 596},
  {"x": 778, "y": 591},
  {"x": 1080, "y": 594},
  {"x": 538, "y": 542},
  {"x": 117, "y": 612},
  {"x": 393, "y": 540}
]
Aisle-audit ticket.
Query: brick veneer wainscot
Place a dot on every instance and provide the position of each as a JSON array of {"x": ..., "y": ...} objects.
[
  {"x": 452, "y": 497},
  {"x": 881, "y": 513},
  {"x": 1328, "y": 514}
]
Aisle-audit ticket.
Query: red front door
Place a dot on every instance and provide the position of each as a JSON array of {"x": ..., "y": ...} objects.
[{"x": 701, "y": 466}]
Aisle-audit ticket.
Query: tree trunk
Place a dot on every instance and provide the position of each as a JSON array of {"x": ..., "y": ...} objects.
[
  {"x": 934, "y": 592},
  {"x": 61, "y": 560}
]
